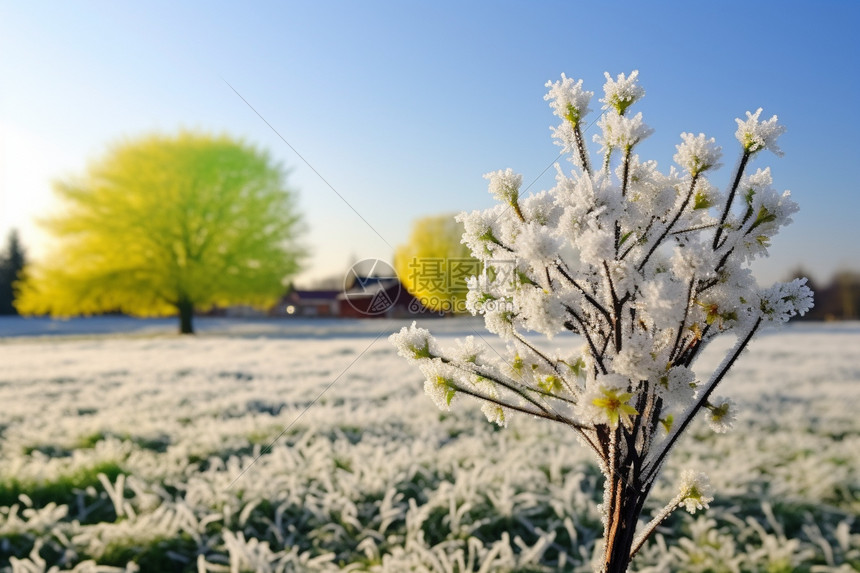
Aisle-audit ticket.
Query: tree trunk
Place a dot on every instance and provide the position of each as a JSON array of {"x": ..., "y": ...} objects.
[
  {"x": 624, "y": 509},
  {"x": 186, "y": 316}
]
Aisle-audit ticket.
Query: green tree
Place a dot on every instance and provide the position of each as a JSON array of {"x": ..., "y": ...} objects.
[
  {"x": 434, "y": 265},
  {"x": 168, "y": 225},
  {"x": 12, "y": 262}
]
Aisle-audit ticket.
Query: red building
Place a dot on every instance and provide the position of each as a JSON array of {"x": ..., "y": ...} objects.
[
  {"x": 308, "y": 303},
  {"x": 367, "y": 297},
  {"x": 378, "y": 297}
]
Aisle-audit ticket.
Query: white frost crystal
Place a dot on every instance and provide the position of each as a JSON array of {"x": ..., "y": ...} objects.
[
  {"x": 638, "y": 359},
  {"x": 678, "y": 385},
  {"x": 659, "y": 300},
  {"x": 536, "y": 245}
]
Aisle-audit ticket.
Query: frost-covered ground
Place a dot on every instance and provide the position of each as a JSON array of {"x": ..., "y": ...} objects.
[{"x": 151, "y": 452}]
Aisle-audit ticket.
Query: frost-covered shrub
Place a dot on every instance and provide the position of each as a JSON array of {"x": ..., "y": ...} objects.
[{"x": 648, "y": 267}]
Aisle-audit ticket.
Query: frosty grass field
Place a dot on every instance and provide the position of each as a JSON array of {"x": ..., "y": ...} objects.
[{"x": 142, "y": 452}]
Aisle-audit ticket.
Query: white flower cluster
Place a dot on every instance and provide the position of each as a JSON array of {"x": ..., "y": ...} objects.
[
  {"x": 696, "y": 153},
  {"x": 618, "y": 130},
  {"x": 414, "y": 343},
  {"x": 756, "y": 135},
  {"x": 570, "y": 103},
  {"x": 621, "y": 93},
  {"x": 567, "y": 99},
  {"x": 505, "y": 185},
  {"x": 696, "y": 490},
  {"x": 722, "y": 414},
  {"x": 621, "y": 132},
  {"x": 646, "y": 267},
  {"x": 785, "y": 300}
]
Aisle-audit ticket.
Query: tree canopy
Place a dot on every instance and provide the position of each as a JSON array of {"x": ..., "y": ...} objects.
[
  {"x": 168, "y": 224},
  {"x": 434, "y": 265}
]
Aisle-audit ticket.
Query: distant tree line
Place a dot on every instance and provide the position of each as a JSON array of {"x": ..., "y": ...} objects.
[
  {"x": 837, "y": 300},
  {"x": 12, "y": 260}
]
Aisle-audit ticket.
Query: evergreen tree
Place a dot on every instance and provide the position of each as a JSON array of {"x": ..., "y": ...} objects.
[{"x": 12, "y": 261}]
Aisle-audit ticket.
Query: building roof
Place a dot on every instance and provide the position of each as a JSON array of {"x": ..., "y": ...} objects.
[
  {"x": 315, "y": 295},
  {"x": 369, "y": 287}
]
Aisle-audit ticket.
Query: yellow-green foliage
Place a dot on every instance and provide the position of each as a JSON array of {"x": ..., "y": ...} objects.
[
  {"x": 434, "y": 265},
  {"x": 164, "y": 221}
]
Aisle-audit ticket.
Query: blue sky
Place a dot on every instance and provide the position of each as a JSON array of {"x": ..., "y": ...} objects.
[{"x": 403, "y": 106}]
